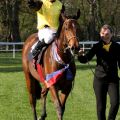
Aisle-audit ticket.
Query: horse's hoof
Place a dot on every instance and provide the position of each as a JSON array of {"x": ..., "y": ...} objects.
[{"x": 42, "y": 118}]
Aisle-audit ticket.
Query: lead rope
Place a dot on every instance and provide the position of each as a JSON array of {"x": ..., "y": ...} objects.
[{"x": 91, "y": 68}]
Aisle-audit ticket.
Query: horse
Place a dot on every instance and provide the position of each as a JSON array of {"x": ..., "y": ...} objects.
[{"x": 66, "y": 44}]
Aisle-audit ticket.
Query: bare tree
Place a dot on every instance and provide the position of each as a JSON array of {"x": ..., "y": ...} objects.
[
  {"x": 13, "y": 18},
  {"x": 91, "y": 22},
  {"x": 94, "y": 13},
  {"x": 10, "y": 19},
  {"x": 113, "y": 15},
  {"x": 3, "y": 20},
  {"x": 99, "y": 14}
]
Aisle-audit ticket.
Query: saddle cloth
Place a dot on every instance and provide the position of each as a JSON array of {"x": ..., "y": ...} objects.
[{"x": 53, "y": 77}]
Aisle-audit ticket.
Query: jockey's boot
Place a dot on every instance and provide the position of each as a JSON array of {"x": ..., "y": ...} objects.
[{"x": 38, "y": 48}]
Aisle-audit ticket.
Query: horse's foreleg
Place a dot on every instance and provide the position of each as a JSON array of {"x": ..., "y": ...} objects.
[
  {"x": 64, "y": 95},
  {"x": 63, "y": 98},
  {"x": 56, "y": 101},
  {"x": 43, "y": 99}
]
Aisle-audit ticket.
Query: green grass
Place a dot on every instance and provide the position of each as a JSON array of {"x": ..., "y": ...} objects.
[{"x": 14, "y": 101}]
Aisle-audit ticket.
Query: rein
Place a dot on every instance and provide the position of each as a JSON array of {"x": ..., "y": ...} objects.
[
  {"x": 59, "y": 59},
  {"x": 66, "y": 36},
  {"x": 64, "y": 52},
  {"x": 90, "y": 66},
  {"x": 67, "y": 47},
  {"x": 67, "y": 41}
]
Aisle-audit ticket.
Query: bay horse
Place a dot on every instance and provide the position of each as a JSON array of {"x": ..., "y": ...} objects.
[{"x": 65, "y": 44}]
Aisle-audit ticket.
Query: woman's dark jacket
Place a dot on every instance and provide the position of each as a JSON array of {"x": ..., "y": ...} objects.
[{"x": 107, "y": 62}]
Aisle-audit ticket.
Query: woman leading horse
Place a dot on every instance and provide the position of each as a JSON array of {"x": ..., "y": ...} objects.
[{"x": 63, "y": 47}]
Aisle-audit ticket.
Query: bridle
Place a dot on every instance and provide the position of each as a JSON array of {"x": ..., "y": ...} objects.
[{"x": 68, "y": 36}]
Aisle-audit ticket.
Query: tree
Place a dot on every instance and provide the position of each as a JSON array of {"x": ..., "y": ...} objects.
[
  {"x": 17, "y": 21},
  {"x": 10, "y": 19},
  {"x": 3, "y": 20},
  {"x": 91, "y": 22},
  {"x": 99, "y": 14},
  {"x": 13, "y": 19}
]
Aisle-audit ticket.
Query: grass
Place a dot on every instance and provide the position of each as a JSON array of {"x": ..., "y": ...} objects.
[{"x": 14, "y": 101}]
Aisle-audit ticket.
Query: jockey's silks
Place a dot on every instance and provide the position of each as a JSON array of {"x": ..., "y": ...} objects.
[
  {"x": 49, "y": 14},
  {"x": 107, "y": 46}
]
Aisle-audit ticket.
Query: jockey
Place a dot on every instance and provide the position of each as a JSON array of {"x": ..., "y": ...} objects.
[{"x": 49, "y": 13}]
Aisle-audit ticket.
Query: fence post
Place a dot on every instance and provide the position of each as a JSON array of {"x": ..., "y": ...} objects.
[{"x": 13, "y": 50}]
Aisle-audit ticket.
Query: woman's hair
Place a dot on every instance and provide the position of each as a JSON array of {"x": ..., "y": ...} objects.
[{"x": 106, "y": 26}]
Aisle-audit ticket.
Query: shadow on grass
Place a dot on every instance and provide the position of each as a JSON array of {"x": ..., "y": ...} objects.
[
  {"x": 11, "y": 69},
  {"x": 15, "y": 65},
  {"x": 10, "y": 65},
  {"x": 19, "y": 69},
  {"x": 10, "y": 62},
  {"x": 85, "y": 67}
]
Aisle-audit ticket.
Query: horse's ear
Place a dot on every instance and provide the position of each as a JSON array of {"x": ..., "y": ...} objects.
[
  {"x": 78, "y": 15},
  {"x": 63, "y": 16}
]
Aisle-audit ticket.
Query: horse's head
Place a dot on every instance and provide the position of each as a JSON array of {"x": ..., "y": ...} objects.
[{"x": 69, "y": 33}]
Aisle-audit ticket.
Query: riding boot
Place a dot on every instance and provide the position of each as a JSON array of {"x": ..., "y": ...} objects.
[{"x": 38, "y": 48}]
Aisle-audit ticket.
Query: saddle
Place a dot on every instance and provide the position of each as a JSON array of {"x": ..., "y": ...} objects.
[{"x": 39, "y": 58}]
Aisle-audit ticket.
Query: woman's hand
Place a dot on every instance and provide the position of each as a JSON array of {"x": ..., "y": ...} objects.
[{"x": 81, "y": 52}]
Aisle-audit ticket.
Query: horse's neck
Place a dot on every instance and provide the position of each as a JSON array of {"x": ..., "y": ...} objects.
[
  {"x": 61, "y": 47},
  {"x": 61, "y": 39}
]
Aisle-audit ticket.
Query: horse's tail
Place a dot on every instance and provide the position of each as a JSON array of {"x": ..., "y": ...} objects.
[
  {"x": 73, "y": 82},
  {"x": 74, "y": 73},
  {"x": 36, "y": 88}
]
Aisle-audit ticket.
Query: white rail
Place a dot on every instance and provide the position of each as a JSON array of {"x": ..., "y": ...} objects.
[{"x": 5, "y": 46}]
